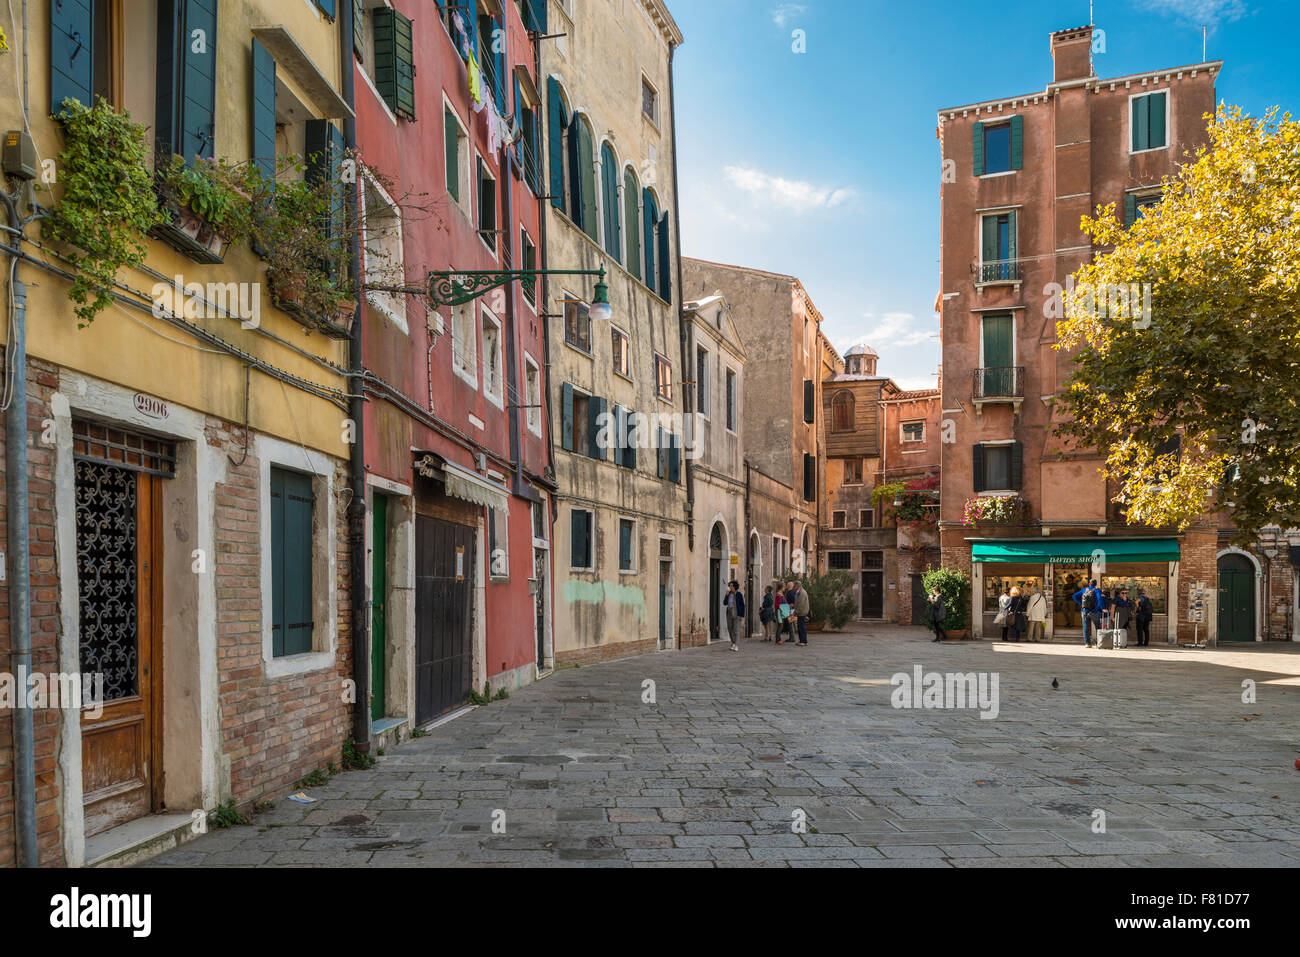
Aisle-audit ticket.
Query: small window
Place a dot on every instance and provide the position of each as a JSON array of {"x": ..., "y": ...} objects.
[
  {"x": 487, "y": 206},
  {"x": 702, "y": 381},
  {"x": 581, "y": 435},
  {"x": 533, "y": 387},
  {"x": 843, "y": 411},
  {"x": 540, "y": 524},
  {"x": 866, "y": 518},
  {"x": 581, "y": 533},
  {"x": 649, "y": 102},
  {"x": 577, "y": 324},
  {"x": 456, "y": 160},
  {"x": 840, "y": 561},
  {"x": 665, "y": 548},
  {"x": 853, "y": 471},
  {"x": 839, "y": 520},
  {"x": 873, "y": 559},
  {"x": 626, "y": 545},
  {"x": 997, "y": 148},
  {"x": 914, "y": 431},
  {"x": 464, "y": 342},
  {"x": 493, "y": 374},
  {"x": 619, "y": 350},
  {"x": 996, "y": 470},
  {"x": 663, "y": 378},
  {"x": 731, "y": 401},
  {"x": 528, "y": 262},
  {"x": 1149, "y": 116},
  {"x": 498, "y": 544},
  {"x": 381, "y": 250},
  {"x": 853, "y": 365}
]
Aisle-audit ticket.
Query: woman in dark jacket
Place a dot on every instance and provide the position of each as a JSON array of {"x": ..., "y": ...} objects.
[
  {"x": 767, "y": 615},
  {"x": 936, "y": 613},
  {"x": 1016, "y": 620}
]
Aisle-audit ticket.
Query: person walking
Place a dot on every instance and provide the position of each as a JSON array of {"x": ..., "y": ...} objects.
[
  {"x": 785, "y": 612},
  {"x": 1088, "y": 598},
  {"x": 936, "y": 613},
  {"x": 802, "y": 604},
  {"x": 1142, "y": 619},
  {"x": 1004, "y": 603},
  {"x": 735, "y": 603},
  {"x": 1016, "y": 621},
  {"x": 1036, "y": 611},
  {"x": 767, "y": 614}
]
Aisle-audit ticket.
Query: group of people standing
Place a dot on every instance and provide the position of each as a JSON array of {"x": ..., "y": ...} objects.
[
  {"x": 1022, "y": 615},
  {"x": 785, "y": 611},
  {"x": 1113, "y": 609}
]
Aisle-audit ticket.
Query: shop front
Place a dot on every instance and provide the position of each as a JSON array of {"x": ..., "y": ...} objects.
[{"x": 1059, "y": 568}]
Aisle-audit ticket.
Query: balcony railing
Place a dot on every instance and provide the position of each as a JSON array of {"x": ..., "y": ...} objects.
[
  {"x": 999, "y": 383},
  {"x": 1001, "y": 270}
]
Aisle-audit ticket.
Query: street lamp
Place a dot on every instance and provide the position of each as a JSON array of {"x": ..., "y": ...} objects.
[{"x": 601, "y": 310}]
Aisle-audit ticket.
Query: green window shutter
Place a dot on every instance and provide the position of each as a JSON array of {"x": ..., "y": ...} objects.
[
  {"x": 650, "y": 217},
  {"x": 1017, "y": 142},
  {"x": 327, "y": 7},
  {"x": 1017, "y": 465},
  {"x": 535, "y": 15},
  {"x": 809, "y": 478},
  {"x": 556, "y": 121},
  {"x": 566, "y": 417},
  {"x": 277, "y": 563},
  {"x": 451, "y": 132},
  {"x": 978, "y": 149},
  {"x": 997, "y": 342},
  {"x": 618, "y": 418},
  {"x": 324, "y": 149},
  {"x": 661, "y": 447},
  {"x": 629, "y": 452},
  {"x": 1013, "y": 244},
  {"x": 609, "y": 198},
  {"x": 292, "y": 504},
  {"x": 394, "y": 67},
  {"x": 665, "y": 261},
  {"x": 632, "y": 217},
  {"x": 977, "y": 468},
  {"x": 595, "y": 410},
  {"x": 359, "y": 30},
  {"x": 578, "y": 535},
  {"x": 1141, "y": 123},
  {"x": 989, "y": 242},
  {"x": 263, "y": 110},
  {"x": 587, "y": 168},
  {"x": 71, "y": 53},
  {"x": 675, "y": 459},
  {"x": 186, "y": 89},
  {"x": 1157, "y": 120},
  {"x": 1130, "y": 210}
]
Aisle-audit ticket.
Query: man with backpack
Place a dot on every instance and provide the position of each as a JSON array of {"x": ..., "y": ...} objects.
[
  {"x": 1088, "y": 598},
  {"x": 1142, "y": 619}
]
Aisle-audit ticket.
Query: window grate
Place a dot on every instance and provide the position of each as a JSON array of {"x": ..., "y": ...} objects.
[{"x": 131, "y": 450}]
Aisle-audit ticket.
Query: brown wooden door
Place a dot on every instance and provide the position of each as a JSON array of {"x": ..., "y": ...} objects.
[
  {"x": 119, "y": 564},
  {"x": 444, "y": 616}
]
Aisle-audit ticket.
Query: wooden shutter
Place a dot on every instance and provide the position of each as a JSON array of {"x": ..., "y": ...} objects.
[
  {"x": 978, "y": 149},
  {"x": 556, "y": 121},
  {"x": 609, "y": 196},
  {"x": 665, "y": 261},
  {"x": 566, "y": 417},
  {"x": 394, "y": 67},
  {"x": 324, "y": 150},
  {"x": 1013, "y": 245},
  {"x": 1017, "y": 142},
  {"x": 977, "y": 468},
  {"x": 809, "y": 400},
  {"x": 661, "y": 447},
  {"x": 579, "y": 539},
  {"x": 675, "y": 459},
  {"x": 585, "y": 181},
  {"x": 998, "y": 349},
  {"x": 71, "y": 53},
  {"x": 1017, "y": 465},
  {"x": 1141, "y": 123},
  {"x": 292, "y": 504},
  {"x": 629, "y": 451},
  {"x": 809, "y": 478},
  {"x": 989, "y": 243},
  {"x": 327, "y": 7},
  {"x": 650, "y": 216},
  {"x": 186, "y": 90},
  {"x": 1156, "y": 122},
  {"x": 632, "y": 217},
  {"x": 595, "y": 409},
  {"x": 1130, "y": 209},
  {"x": 359, "y": 30},
  {"x": 451, "y": 148},
  {"x": 263, "y": 110},
  {"x": 534, "y": 12}
]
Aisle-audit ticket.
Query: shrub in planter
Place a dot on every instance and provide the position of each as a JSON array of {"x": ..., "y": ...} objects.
[
  {"x": 830, "y": 598},
  {"x": 955, "y": 586},
  {"x": 209, "y": 203}
]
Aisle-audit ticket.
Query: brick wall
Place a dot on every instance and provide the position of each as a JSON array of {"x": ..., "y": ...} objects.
[
  {"x": 1198, "y": 564},
  {"x": 274, "y": 732},
  {"x": 612, "y": 651},
  {"x": 42, "y": 381}
]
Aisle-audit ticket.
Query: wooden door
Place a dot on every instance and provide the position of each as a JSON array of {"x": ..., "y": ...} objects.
[
  {"x": 119, "y": 565},
  {"x": 1236, "y": 599},
  {"x": 444, "y": 616},
  {"x": 873, "y": 595}
]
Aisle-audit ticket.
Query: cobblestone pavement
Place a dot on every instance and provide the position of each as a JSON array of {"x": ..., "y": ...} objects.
[{"x": 715, "y": 772}]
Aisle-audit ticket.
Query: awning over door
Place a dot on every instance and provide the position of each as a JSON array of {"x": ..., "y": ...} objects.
[
  {"x": 1047, "y": 551},
  {"x": 463, "y": 484}
]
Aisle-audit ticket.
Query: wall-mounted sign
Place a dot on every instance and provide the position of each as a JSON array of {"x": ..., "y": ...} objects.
[
  {"x": 460, "y": 563},
  {"x": 148, "y": 405}
]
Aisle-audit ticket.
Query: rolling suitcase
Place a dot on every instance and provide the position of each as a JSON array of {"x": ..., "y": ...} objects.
[{"x": 1110, "y": 638}]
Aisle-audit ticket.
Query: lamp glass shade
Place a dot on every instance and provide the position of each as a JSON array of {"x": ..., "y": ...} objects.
[{"x": 601, "y": 310}]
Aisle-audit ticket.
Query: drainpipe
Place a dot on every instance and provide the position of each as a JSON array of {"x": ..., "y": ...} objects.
[
  {"x": 508, "y": 170},
  {"x": 688, "y": 399},
  {"x": 357, "y": 460},
  {"x": 749, "y": 563},
  {"x": 19, "y": 573}
]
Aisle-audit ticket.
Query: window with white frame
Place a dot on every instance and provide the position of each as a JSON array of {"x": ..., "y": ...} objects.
[
  {"x": 533, "y": 393},
  {"x": 493, "y": 373},
  {"x": 458, "y": 180},
  {"x": 582, "y": 539},
  {"x": 649, "y": 101},
  {"x": 619, "y": 350},
  {"x": 627, "y": 546},
  {"x": 866, "y": 518},
  {"x": 663, "y": 378},
  {"x": 528, "y": 262},
  {"x": 839, "y": 520},
  {"x": 487, "y": 205},
  {"x": 577, "y": 323},
  {"x": 914, "y": 431},
  {"x": 464, "y": 343},
  {"x": 382, "y": 251}
]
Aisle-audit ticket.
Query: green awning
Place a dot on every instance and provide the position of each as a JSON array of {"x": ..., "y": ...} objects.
[{"x": 1047, "y": 551}]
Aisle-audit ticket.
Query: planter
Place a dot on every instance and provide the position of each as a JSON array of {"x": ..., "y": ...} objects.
[{"x": 191, "y": 235}]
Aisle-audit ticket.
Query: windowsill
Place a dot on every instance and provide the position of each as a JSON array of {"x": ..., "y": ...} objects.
[
  {"x": 535, "y": 431},
  {"x": 1005, "y": 172},
  {"x": 731, "y": 431},
  {"x": 496, "y": 400},
  {"x": 624, "y": 376},
  {"x": 628, "y": 571},
  {"x": 1003, "y": 493},
  {"x": 664, "y": 400},
  {"x": 499, "y": 580},
  {"x": 578, "y": 349},
  {"x": 1153, "y": 149},
  {"x": 466, "y": 377},
  {"x": 308, "y": 661}
]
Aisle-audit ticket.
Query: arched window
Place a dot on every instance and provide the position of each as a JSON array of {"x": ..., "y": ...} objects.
[
  {"x": 650, "y": 214},
  {"x": 609, "y": 199},
  {"x": 557, "y": 127},
  {"x": 842, "y": 412},
  {"x": 632, "y": 217},
  {"x": 582, "y": 177}
]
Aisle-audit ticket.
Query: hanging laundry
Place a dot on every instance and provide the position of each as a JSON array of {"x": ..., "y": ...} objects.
[
  {"x": 475, "y": 81},
  {"x": 462, "y": 36}
]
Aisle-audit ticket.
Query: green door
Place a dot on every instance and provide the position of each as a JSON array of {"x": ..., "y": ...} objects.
[
  {"x": 1236, "y": 599},
  {"x": 379, "y": 597}
]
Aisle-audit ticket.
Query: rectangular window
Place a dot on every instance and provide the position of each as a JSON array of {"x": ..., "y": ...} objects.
[
  {"x": 456, "y": 144},
  {"x": 866, "y": 518},
  {"x": 840, "y": 561},
  {"x": 731, "y": 401},
  {"x": 533, "y": 387},
  {"x": 619, "y": 351},
  {"x": 663, "y": 378},
  {"x": 293, "y": 502},
  {"x": 498, "y": 544},
  {"x": 626, "y": 545},
  {"x": 464, "y": 342},
  {"x": 581, "y": 533},
  {"x": 809, "y": 401},
  {"x": 487, "y": 206},
  {"x": 580, "y": 432},
  {"x": 997, "y": 367},
  {"x": 998, "y": 247},
  {"x": 1148, "y": 120},
  {"x": 577, "y": 324},
  {"x": 914, "y": 431},
  {"x": 540, "y": 523},
  {"x": 853, "y": 471},
  {"x": 493, "y": 366},
  {"x": 873, "y": 559},
  {"x": 702, "y": 381},
  {"x": 649, "y": 102},
  {"x": 809, "y": 478},
  {"x": 839, "y": 520},
  {"x": 997, "y": 148},
  {"x": 527, "y": 262},
  {"x": 998, "y": 468}
]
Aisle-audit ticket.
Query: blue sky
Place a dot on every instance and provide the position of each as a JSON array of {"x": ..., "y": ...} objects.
[{"x": 824, "y": 164}]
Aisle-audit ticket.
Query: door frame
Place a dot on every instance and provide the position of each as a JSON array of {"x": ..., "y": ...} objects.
[
  {"x": 1258, "y": 582},
  {"x": 862, "y": 601}
]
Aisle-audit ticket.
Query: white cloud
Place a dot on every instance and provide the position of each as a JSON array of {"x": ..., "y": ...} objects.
[
  {"x": 915, "y": 383},
  {"x": 787, "y": 12},
  {"x": 1197, "y": 12},
  {"x": 898, "y": 330},
  {"x": 791, "y": 193}
]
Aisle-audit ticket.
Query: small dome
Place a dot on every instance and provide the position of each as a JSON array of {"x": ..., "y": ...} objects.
[{"x": 862, "y": 349}]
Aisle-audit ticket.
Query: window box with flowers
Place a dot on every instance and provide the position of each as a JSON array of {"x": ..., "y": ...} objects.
[{"x": 996, "y": 510}]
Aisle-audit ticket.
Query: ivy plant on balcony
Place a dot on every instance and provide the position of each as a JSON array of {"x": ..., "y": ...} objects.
[
  {"x": 916, "y": 509},
  {"x": 105, "y": 204},
  {"x": 207, "y": 205},
  {"x": 995, "y": 510}
]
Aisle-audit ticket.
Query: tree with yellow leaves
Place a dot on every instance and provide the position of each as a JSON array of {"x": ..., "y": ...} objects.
[{"x": 1186, "y": 336}]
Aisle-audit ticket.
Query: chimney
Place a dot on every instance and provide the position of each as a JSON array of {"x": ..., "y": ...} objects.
[{"x": 1072, "y": 54}]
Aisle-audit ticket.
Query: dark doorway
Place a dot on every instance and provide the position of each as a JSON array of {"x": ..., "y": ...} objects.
[
  {"x": 715, "y": 584},
  {"x": 444, "y": 616},
  {"x": 873, "y": 595},
  {"x": 1236, "y": 599},
  {"x": 378, "y": 607},
  {"x": 918, "y": 600}
]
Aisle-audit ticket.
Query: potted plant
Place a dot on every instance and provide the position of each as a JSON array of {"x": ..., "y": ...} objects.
[
  {"x": 955, "y": 587},
  {"x": 207, "y": 205},
  {"x": 996, "y": 510},
  {"x": 830, "y": 599}
]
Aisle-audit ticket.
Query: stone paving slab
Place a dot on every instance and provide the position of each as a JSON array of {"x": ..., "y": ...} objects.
[{"x": 774, "y": 758}]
